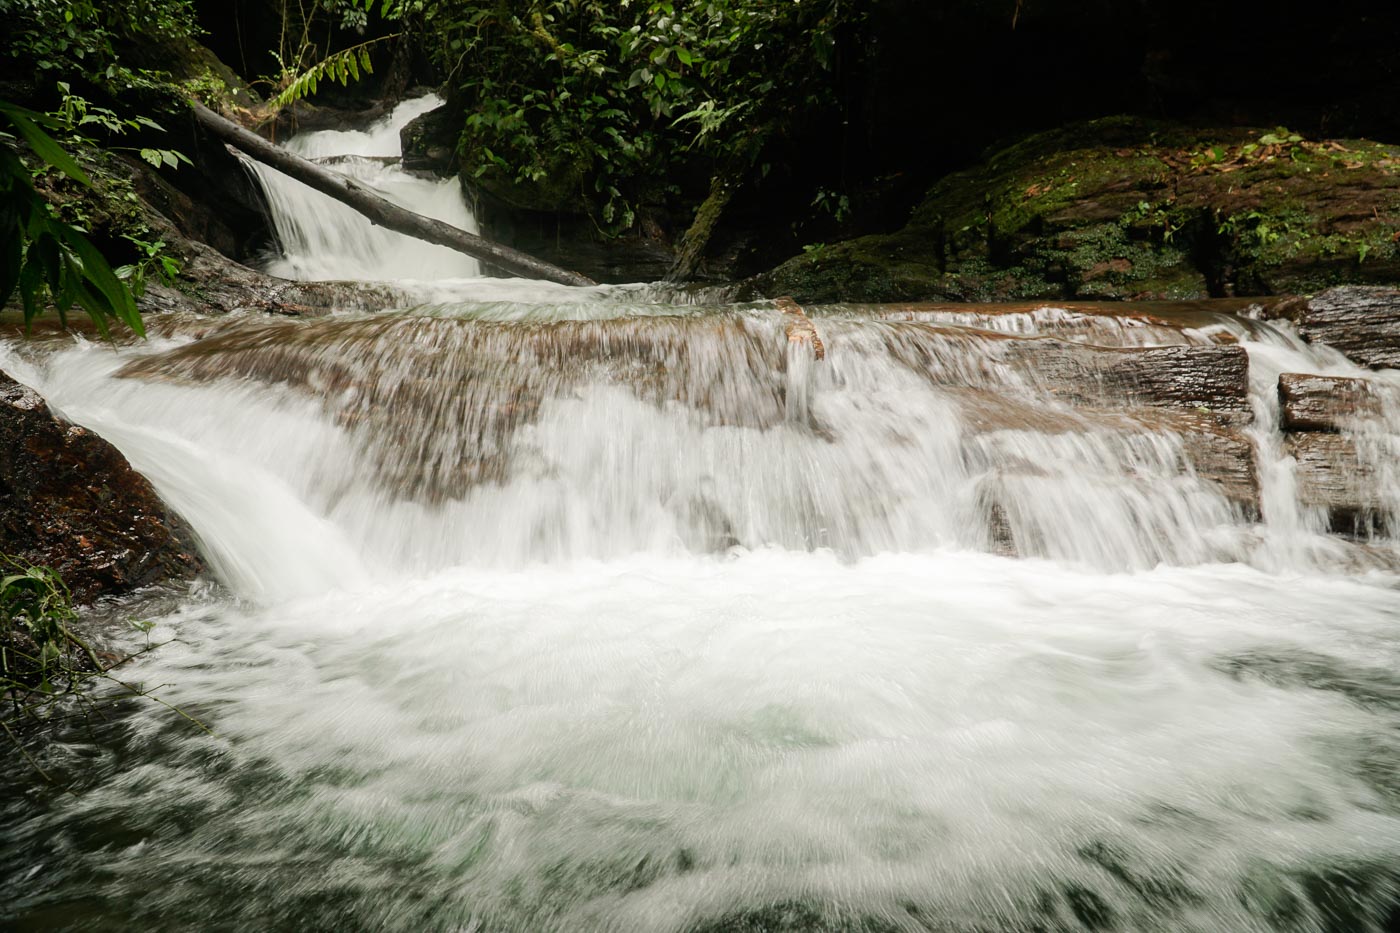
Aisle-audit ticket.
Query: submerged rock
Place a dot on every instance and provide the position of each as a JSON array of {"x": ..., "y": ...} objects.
[
  {"x": 1127, "y": 208},
  {"x": 71, "y": 501}
]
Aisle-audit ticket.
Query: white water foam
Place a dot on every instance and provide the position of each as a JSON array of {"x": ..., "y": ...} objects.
[{"x": 544, "y": 620}]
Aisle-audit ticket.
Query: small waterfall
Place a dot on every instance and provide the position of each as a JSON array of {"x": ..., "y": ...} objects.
[
  {"x": 551, "y": 609},
  {"x": 322, "y": 239},
  {"x": 458, "y": 436}
]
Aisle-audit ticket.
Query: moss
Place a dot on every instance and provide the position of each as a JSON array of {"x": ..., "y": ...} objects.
[{"x": 1129, "y": 208}]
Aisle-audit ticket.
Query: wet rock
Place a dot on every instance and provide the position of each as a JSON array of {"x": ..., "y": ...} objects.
[
  {"x": 1333, "y": 475},
  {"x": 1325, "y": 403},
  {"x": 1364, "y": 323},
  {"x": 570, "y": 239},
  {"x": 304, "y": 117},
  {"x": 211, "y": 283},
  {"x": 1223, "y": 455},
  {"x": 429, "y": 142},
  {"x": 71, "y": 501},
  {"x": 1209, "y": 379}
]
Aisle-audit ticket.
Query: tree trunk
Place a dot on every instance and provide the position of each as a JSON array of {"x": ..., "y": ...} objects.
[
  {"x": 697, "y": 238},
  {"x": 379, "y": 211}
]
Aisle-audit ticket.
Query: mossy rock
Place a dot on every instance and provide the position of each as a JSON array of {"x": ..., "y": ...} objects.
[{"x": 1129, "y": 208}]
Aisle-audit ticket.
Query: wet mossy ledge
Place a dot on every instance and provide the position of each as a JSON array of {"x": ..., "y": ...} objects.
[{"x": 1127, "y": 208}]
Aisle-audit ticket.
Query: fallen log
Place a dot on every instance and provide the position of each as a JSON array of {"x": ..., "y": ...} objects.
[{"x": 379, "y": 211}]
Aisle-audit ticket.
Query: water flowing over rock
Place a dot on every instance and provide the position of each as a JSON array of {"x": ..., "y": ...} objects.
[
  {"x": 70, "y": 501},
  {"x": 774, "y": 434},
  {"x": 610, "y": 609}
]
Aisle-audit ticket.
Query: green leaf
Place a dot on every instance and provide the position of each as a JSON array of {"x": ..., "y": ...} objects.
[
  {"x": 11, "y": 259},
  {"x": 152, "y": 156},
  {"x": 30, "y": 281},
  {"x": 97, "y": 310},
  {"x": 96, "y": 271},
  {"x": 44, "y": 146}
]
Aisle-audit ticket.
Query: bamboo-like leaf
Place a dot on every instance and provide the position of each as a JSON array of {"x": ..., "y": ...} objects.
[
  {"x": 96, "y": 310},
  {"x": 30, "y": 281}
]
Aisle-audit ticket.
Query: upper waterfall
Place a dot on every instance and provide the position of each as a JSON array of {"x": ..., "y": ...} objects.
[{"x": 322, "y": 239}]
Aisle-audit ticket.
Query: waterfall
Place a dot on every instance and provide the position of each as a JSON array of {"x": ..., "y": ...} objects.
[
  {"x": 559, "y": 609},
  {"x": 322, "y": 239}
]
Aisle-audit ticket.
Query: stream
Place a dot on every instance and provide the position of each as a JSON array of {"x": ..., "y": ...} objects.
[{"x": 536, "y": 608}]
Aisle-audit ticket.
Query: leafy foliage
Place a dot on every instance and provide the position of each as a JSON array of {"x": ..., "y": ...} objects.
[
  {"x": 344, "y": 66},
  {"x": 35, "y": 612},
  {"x": 614, "y": 100},
  {"x": 43, "y": 661},
  {"x": 42, "y": 256},
  {"x": 303, "y": 65},
  {"x": 67, "y": 38}
]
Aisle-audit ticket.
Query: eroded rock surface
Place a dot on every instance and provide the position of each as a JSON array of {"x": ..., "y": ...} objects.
[
  {"x": 1214, "y": 379},
  {"x": 1362, "y": 322},
  {"x": 1332, "y": 474},
  {"x": 1325, "y": 403},
  {"x": 71, "y": 501}
]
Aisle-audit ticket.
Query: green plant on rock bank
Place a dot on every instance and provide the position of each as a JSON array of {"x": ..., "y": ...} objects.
[
  {"x": 1123, "y": 207},
  {"x": 75, "y": 113},
  {"x": 35, "y": 641},
  {"x": 42, "y": 257},
  {"x": 44, "y": 664}
]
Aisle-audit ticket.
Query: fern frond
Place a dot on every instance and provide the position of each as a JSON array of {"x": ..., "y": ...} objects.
[{"x": 343, "y": 66}]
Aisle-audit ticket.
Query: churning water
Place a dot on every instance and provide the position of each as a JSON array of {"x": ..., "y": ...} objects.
[{"x": 548, "y": 609}]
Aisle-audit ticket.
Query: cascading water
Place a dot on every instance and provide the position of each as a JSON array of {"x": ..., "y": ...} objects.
[
  {"x": 322, "y": 239},
  {"x": 547, "y": 609}
]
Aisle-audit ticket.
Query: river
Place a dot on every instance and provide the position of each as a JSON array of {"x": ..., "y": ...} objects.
[{"x": 536, "y": 608}]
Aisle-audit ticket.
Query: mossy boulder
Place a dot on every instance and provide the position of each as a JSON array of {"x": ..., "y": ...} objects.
[{"x": 1129, "y": 208}]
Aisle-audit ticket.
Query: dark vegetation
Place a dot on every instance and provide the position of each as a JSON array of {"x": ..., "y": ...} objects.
[{"x": 714, "y": 139}]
